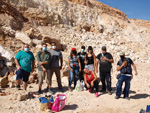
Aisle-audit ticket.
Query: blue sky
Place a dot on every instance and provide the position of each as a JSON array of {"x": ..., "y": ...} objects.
[{"x": 139, "y": 9}]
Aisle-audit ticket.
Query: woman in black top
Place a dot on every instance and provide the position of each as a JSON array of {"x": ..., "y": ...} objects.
[{"x": 90, "y": 59}]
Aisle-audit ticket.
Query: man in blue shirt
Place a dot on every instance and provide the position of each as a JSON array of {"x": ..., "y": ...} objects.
[{"x": 24, "y": 59}]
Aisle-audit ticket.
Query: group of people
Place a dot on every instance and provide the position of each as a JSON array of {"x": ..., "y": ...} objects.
[{"x": 82, "y": 66}]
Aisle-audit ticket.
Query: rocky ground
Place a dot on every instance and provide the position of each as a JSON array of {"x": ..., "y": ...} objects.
[
  {"x": 73, "y": 23},
  {"x": 84, "y": 102}
]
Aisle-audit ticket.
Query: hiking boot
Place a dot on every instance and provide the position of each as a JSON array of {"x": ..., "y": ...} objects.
[
  {"x": 116, "y": 97},
  {"x": 96, "y": 94},
  {"x": 69, "y": 88},
  {"x": 127, "y": 98},
  {"x": 109, "y": 92},
  {"x": 18, "y": 87},
  {"x": 51, "y": 91}
]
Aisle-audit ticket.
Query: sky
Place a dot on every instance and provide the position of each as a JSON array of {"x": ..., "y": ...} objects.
[{"x": 139, "y": 9}]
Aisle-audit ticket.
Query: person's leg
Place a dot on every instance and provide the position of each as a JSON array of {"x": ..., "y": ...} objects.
[
  {"x": 76, "y": 72},
  {"x": 108, "y": 80},
  {"x": 40, "y": 78},
  {"x": 25, "y": 79},
  {"x": 19, "y": 78},
  {"x": 119, "y": 86},
  {"x": 50, "y": 77},
  {"x": 81, "y": 75},
  {"x": 57, "y": 72},
  {"x": 96, "y": 85},
  {"x": 102, "y": 77},
  {"x": 127, "y": 86},
  {"x": 70, "y": 78}
]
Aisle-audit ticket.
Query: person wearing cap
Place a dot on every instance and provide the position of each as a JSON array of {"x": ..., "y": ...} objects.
[
  {"x": 124, "y": 66},
  {"x": 74, "y": 66},
  {"x": 90, "y": 59},
  {"x": 82, "y": 58},
  {"x": 55, "y": 66},
  {"x": 105, "y": 61}
]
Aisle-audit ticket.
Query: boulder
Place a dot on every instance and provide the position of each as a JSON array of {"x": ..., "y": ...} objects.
[{"x": 23, "y": 37}]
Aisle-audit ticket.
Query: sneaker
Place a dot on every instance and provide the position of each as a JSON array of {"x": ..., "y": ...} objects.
[
  {"x": 69, "y": 88},
  {"x": 109, "y": 92},
  {"x": 51, "y": 91},
  {"x": 116, "y": 97},
  {"x": 90, "y": 90},
  {"x": 18, "y": 87},
  {"x": 96, "y": 94},
  {"x": 127, "y": 98}
]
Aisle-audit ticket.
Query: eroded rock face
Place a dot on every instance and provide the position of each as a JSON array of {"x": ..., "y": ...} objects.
[{"x": 72, "y": 23}]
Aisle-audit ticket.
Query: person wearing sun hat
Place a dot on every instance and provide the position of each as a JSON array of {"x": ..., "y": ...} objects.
[
  {"x": 74, "y": 66},
  {"x": 124, "y": 66}
]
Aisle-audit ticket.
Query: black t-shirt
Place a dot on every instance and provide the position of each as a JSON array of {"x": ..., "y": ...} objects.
[
  {"x": 105, "y": 65},
  {"x": 82, "y": 58}
]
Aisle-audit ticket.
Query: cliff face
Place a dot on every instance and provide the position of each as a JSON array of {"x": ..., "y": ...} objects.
[{"x": 72, "y": 23}]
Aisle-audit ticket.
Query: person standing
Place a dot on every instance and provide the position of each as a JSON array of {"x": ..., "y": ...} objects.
[
  {"x": 90, "y": 60},
  {"x": 24, "y": 59},
  {"x": 74, "y": 66},
  {"x": 43, "y": 58},
  {"x": 105, "y": 61},
  {"x": 82, "y": 59},
  {"x": 54, "y": 65},
  {"x": 124, "y": 65}
]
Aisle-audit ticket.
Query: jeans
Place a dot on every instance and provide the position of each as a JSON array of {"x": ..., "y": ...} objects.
[
  {"x": 126, "y": 79},
  {"x": 105, "y": 76},
  {"x": 73, "y": 74}
]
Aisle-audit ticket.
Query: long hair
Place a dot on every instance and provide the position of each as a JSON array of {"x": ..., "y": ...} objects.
[{"x": 71, "y": 54}]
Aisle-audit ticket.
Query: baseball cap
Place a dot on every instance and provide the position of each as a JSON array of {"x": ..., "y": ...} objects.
[
  {"x": 122, "y": 53},
  {"x": 104, "y": 48}
]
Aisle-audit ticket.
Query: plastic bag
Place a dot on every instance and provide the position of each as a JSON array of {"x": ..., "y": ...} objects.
[
  {"x": 78, "y": 86},
  {"x": 82, "y": 85},
  {"x": 59, "y": 103}
]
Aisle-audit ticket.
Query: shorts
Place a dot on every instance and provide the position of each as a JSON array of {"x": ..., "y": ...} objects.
[
  {"x": 22, "y": 74},
  {"x": 41, "y": 76},
  {"x": 89, "y": 66}
]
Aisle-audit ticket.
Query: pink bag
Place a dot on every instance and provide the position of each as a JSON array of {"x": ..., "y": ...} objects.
[{"x": 59, "y": 103}]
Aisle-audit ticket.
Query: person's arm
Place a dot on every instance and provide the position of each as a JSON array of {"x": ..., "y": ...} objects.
[
  {"x": 33, "y": 64},
  {"x": 85, "y": 61},
  {"x": 95, "y": 77},
  {"x": 97, "y": 61},
  {"x": 79, "y": 64},
  {"x": 85, "y": 81},
  {"x": 94, "y": 61},
  {"x": 69, "y": 65},
  {"x": 134, "y": 68},
  {"x": 39, "y": 61},
  {"x": 110, "y": 60},
  {"x": 18, "y": 65},
  {"x": 120, "y": 67},
  {"x": 61, "y": 62}
]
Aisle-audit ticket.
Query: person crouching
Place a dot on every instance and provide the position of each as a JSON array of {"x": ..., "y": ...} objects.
[{"x": 90, "y": 80}]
